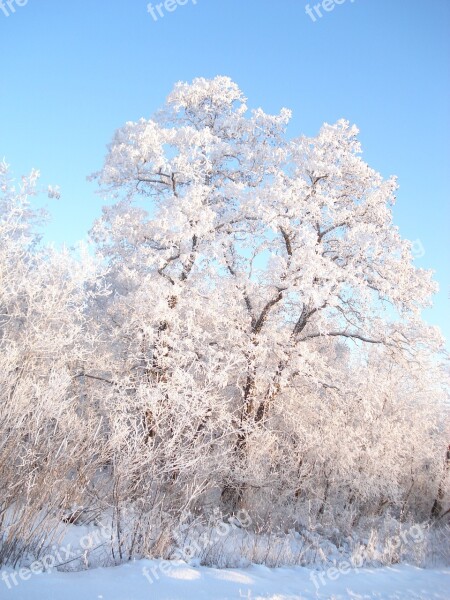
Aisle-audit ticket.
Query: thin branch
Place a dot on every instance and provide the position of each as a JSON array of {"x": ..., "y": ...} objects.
[{"x": 352, "y": 336}]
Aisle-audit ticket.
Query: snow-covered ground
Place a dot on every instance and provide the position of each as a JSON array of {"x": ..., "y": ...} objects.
[{"x": 148, "y": 580}]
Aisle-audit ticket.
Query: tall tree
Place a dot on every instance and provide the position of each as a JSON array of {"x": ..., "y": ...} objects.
[{"x": 278, "y": 252}]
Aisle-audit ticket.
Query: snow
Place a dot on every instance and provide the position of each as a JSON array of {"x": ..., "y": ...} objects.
[{"x": 149, "y": 579}]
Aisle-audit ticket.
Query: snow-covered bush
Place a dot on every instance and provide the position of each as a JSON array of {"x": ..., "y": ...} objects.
[{"x": 46, "y": 427}]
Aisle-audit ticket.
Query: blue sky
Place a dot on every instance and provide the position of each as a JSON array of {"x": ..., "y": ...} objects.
[{"x": 74, "y": 71}]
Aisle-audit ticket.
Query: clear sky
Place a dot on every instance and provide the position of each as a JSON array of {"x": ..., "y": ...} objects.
[{"x": 74, "y": 71}]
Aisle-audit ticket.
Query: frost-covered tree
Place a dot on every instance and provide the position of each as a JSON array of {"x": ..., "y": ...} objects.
[
  {"x": 266, "y": 313},
  {"x": 46, "y": 433}
]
